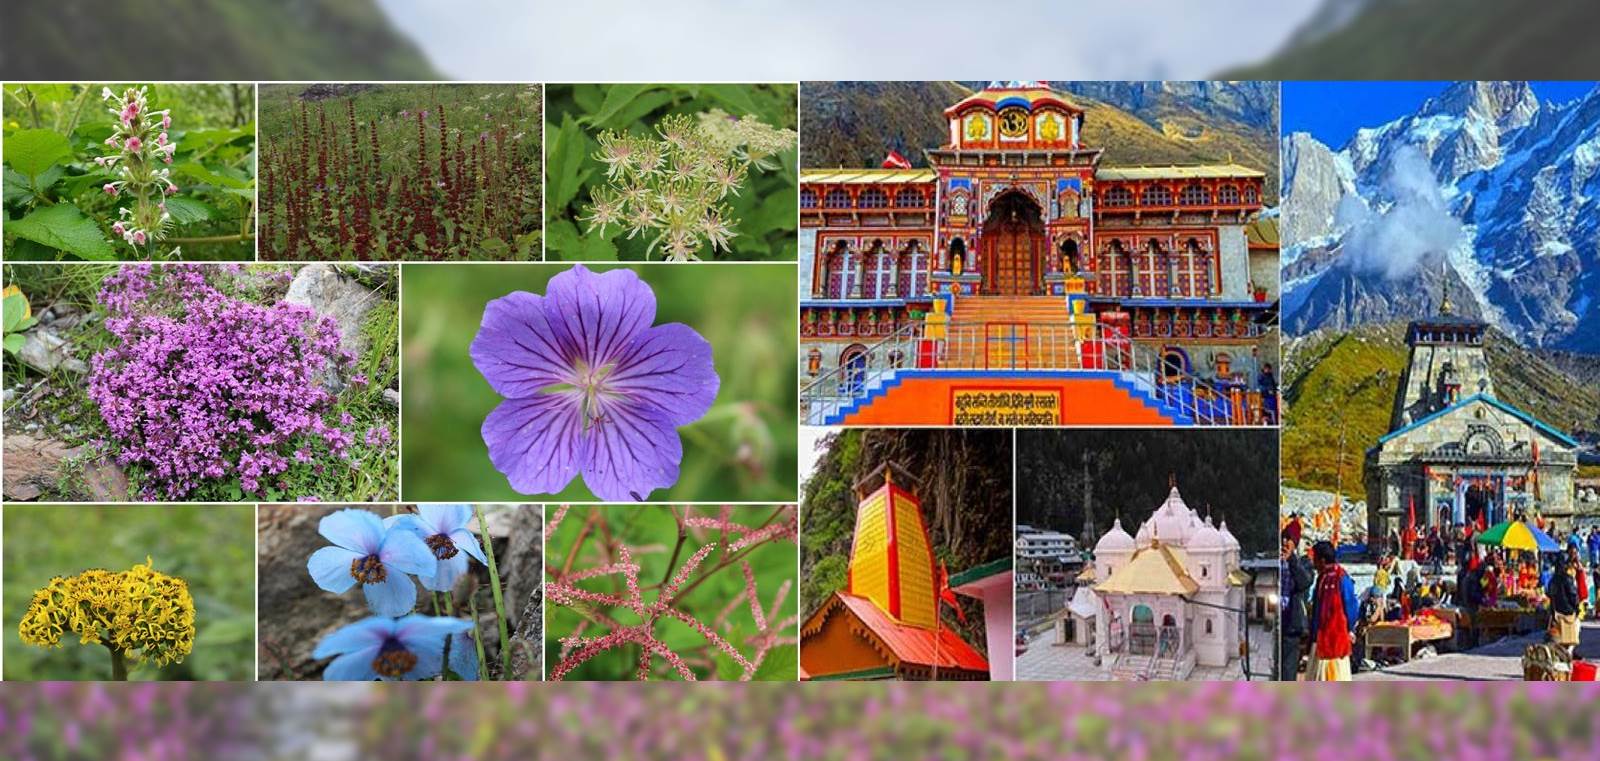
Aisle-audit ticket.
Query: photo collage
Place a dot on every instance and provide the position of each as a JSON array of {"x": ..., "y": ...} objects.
[{"x": 1054, "y": 381}]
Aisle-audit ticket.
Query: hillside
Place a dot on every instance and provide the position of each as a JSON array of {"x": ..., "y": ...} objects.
[
  {"x": 204, "y": 39},
  {"x": 1428, "y": 39},
  {"x": 855, "y": 124},
  {"x": 965, "y": 493},
  {"x": 1337, "y": 381}
]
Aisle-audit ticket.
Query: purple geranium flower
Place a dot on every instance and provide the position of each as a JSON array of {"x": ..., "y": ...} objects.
[
  {"x": 376, "y": 558},
  {"x": 444, "y": 529},
  {"x": 590, "y": 385},
  {"x": 408, "y": 648}
]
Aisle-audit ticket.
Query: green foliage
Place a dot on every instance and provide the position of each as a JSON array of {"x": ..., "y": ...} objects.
[
  {"x": 743, "y": 450},
  {"x": 578, "y": 114},
  {"x": 55, "y": 208},
  {"x": 17, "y": 320},
  {"x": 211, "y": 547},
  {"x": 650, "y": 532},
  {"x": 964, "y": 483},
  {"x": 1229, "y": 475}
]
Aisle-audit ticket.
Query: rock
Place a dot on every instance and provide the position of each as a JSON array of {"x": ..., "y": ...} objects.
[
  {"x": 522, "y": 569},
  {"x": 391, "y": 397},
  {"x": 328, "y": 293},
  {"x": 44, "y": 349},
  {"x": 33, "y": 465},
  {"x": 103, "y": 481},
  {"x": 294, "y": 613}
]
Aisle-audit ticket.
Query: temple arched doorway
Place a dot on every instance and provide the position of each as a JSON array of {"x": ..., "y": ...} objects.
[{"x": 1014, "y": 245}]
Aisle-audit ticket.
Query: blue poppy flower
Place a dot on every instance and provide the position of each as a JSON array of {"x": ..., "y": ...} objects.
[
  {"x": 464, "y": 656},
  {"x": 443, "y": 528},
  {"x": 407, "y": 648},
  {"x": 366, "y": 553}
]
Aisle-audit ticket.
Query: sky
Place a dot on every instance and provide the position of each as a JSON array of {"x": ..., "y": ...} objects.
[
  {"x": 731, "y": 40},
  {"x": 1333, "y": 111}
]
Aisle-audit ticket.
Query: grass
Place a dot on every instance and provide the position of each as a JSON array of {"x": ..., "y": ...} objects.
[
  {"x": 63, "y": 408},
  {"x": 211, "y": 547},
  {"x": 743, "y": 450}
]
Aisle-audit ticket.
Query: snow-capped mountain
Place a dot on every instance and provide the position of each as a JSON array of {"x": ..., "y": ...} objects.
[{"x": 1484, "y": 187}]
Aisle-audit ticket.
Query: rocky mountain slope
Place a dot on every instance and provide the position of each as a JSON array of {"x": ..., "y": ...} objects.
[
  {"x": 204, "y": 39},
  {"x": 1484, "y": 187},
  {"x": 854, "y": 124}
]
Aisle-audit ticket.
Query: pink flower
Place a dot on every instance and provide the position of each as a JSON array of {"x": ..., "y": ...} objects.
[
  {"x": 138, "y": 237},
  {"x": 171, "y": 189},
  {"x": 134, "y": 144},
  {"x": 161, "y": 139},
  {"x": 166, "y": 122},
  {"x": 117, "y": 228},
  {"x": 109, "y": 188}
]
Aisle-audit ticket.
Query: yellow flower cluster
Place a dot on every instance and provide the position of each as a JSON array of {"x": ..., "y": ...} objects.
[{"x": 141, "y": 612}]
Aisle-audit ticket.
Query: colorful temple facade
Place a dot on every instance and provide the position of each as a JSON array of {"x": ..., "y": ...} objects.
[
  {"x": 885, "y": 623},
  {"x": 1455, "y": 454},
  {"x": 1017, "y": 251},
  {"x": 1166, "y": 595}
]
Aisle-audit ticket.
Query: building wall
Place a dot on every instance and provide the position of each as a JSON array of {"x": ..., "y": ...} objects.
[
  {"x": 808, "y": 261},
  {"x": 1422, "y": 377},
  {"x": 1234, "y": 250}
]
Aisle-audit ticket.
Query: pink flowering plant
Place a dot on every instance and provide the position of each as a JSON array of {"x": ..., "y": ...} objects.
[
  {"x": 106, "y": 172},
  {"x": 667, "y": 592},
  {"x": 203, "y": 383}
]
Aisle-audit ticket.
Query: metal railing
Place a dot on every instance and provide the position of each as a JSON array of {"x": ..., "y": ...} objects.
[{"x": 1021, "y": 346}]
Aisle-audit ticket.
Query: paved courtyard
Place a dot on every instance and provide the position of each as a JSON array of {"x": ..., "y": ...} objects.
[
  {"x": 1501, "y": 659},
  {"x": 1070, "y": 663}
]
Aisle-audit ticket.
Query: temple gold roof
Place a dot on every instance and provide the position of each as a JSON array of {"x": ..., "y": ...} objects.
[
  {"x": 1191, "y": 172},
  {"x": 867, "y": 176},
  {"x": 1157, "y": 569}
]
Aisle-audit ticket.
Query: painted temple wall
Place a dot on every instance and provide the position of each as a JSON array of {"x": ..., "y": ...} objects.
[
  {"x": 1234, "y": 251},
  {"x": 808, "y": 261},
  {"x": 1264, "y": 272}
]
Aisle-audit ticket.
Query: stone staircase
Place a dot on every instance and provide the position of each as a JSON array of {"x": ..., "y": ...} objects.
[{"x": 1001, "y": 342}]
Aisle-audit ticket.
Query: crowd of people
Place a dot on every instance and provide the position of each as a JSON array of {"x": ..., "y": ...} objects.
[{"x": 1323, "y": 614}]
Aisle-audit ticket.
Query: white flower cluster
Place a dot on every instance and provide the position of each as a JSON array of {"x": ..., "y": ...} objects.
[{"x": 142, "y": 146}]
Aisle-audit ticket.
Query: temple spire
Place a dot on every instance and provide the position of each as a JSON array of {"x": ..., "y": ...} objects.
[{"x": 1445, "y": 307}]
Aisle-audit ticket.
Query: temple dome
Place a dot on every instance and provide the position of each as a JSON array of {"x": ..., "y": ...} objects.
[
  {"x": 1172, "y": 523},
  {"x": 1207, "y": 537},
  {"x": 1115, "y": 540},
  {"x": 1227, "y": 536}
]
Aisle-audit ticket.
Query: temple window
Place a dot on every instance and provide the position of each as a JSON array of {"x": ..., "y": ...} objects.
[
  {"x": 841, "y": 271},
  {"x": 1196, "y": 276},
  {"x": 1156, "y": 195},
  {"x": 1208, "y": 624},
  {"x": 873, "y": 198},
  {"x": 1116, "y": 197},
  {"x": 836, "y": 199},
  {"x": 1194, "y": 195},
  {"x": 882, "y": 271},
  {"x": 913, "y": 271},
  {"x": 1228, "y": 195},
  {"x": 808, "y": 199},
  {"x": 909, "y": 198},
  {"x": 1149, "y": 276},
  {"x": 1250, "y": 195}
]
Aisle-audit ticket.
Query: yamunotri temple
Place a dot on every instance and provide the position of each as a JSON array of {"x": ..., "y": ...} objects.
[{"x": 976, "y": 291}]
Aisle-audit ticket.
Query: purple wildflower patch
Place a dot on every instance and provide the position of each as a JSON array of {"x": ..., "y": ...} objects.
[{"x": 203, "y": 386}]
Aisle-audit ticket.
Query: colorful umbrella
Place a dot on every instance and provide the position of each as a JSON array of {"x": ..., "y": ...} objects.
[{"x": 1518, "y": 535}]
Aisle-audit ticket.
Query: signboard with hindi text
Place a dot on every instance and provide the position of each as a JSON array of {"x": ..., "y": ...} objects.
[{"x": 1005, "y": 406}]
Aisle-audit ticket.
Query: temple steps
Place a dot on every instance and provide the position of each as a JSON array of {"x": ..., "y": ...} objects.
[{"x": 1031, "y": 309}]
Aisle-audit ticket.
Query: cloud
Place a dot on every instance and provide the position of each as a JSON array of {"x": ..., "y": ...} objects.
[
  {"x": 1414, "y": 225},
  {"x": 731, "y": 40}
]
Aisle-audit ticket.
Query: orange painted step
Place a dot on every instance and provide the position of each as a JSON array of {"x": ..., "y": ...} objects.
[{"x": 1086, "y": 400}]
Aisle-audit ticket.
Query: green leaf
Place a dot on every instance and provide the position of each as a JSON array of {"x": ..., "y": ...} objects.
[
  {"x": 199, "y": 173},
  {"x": 16, "y": 305},
  {"x": 565, "y": 172},
  {"x": 14, "y": 342},
  {"x": 782, "y": 664},
  {"x": 16, "y": 186},
  {"x": 31, "y": 151},
  {"x": 65, "y": 228},
  {"x": 186, "y": 211},
  {"x": 617, "y": 96},
  {"x": 735, "y": 97},
  {"x": 564, "y": 239}
]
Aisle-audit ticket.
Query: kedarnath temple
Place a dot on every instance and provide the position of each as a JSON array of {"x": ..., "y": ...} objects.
[
  {"x": 1455, "y": 454},
  {"x": 1018, "y": 281}
]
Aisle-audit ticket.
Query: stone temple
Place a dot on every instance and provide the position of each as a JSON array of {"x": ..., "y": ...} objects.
[{"x": 1455, "y": 454}]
